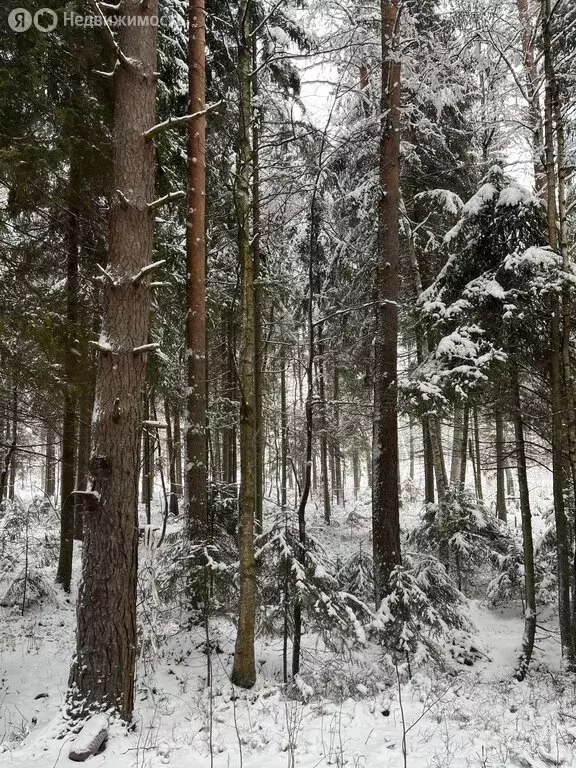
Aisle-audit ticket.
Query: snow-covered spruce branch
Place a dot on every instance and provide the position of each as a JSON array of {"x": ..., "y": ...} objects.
[{"x": 175, "y": 122}]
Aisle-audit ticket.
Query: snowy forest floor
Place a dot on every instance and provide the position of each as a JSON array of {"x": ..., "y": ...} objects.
[{"x": 343, "y": 713}]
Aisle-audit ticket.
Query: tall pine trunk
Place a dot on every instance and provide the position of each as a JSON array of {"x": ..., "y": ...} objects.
[
  {"x": 50, "y": 464},
  {"x": 69, "y": 445},
  {"x": 501, "y": 512},
  {"x": 385, "y": 491},
  {"x": 102, "y": 673},
  {"x": 196, "y": 448},
  {"x": 560, "y": 361},
  {"x": 527, "y": 541},
  {"x": 258, "y": 344},
  {"x": 244, "y": 669},
  {"x": 323, "y": 432}
]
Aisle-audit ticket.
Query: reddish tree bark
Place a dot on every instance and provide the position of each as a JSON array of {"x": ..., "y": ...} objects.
[
  {"x": 385, "y": 513},
  {"x": 102, "y": 673}
]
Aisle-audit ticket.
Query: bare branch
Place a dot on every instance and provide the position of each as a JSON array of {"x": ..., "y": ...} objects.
[
  {"x": 175, "y": 122},
  {"x": 170, "y": 197},
  {"x": 146, "y": 270},
  {"x": 146, "y": 348}
]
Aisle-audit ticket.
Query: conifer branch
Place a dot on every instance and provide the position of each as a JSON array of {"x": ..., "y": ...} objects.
[{"x": 175, "y": 122}]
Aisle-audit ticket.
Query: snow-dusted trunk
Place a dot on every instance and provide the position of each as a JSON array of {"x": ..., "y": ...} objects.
[
  {"x": 527, "y": 542},
  {"x": 86, "y": 408},
  {"x": 147, "y": 482},
  {"x": 68, "y": 452},
  {"x": 429, "y": 493},
  {"x": 309, "y": 369},
  {"x": 102, "y": 673},
  {"x": 385, "y": 491},
  {"x": 478, "y": 474},
  {"x": 244, "y": 669},
  {"x": 196, "y": 451},
  {"x": 283, "y": 431},
  {"x": 464, "y": 444},
  {"x": 13, "y": 446},
  {"x": 172, "y": 459},
  {"x": 338, "y": 463},
  {"x": 356, "y": 470},
  {"x": 531, "y": 79},
  {"x": 501, "y": 512},
  {"x": 456, "y": 460},
  {"x": 258, "y": 342},
  {"x": 435, "y": 433},
  {"x": 50, "y": 463},
  {"x": 323, "y": 432},
  {"x": 560, "y": 359}
]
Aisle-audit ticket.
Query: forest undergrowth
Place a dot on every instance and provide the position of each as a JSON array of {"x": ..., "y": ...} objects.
[{"x": 447, "y": 697}]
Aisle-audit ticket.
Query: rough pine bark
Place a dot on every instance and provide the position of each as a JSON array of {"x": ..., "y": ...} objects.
[
  {"x": 258, "y": 343},
  {"x": 385, "y": 491},
  {"x": 501, "y": 512},
  {"x": 560, "y": 362},
  {"x": 244, "y": 669},
  {"x": 102, "y": 673},
  {"x": 68, "y": 452},
  {"x": 196, "y": 446}
]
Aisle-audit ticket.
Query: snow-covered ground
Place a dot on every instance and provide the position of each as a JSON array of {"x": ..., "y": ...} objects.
[{"x": 345, "y": 711}]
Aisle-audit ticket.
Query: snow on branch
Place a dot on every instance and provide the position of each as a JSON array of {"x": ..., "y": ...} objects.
[
  {"x": 146, "y": 270},
  {"x": 175, "y": 122},
  {"x": 170, "y": 197}
]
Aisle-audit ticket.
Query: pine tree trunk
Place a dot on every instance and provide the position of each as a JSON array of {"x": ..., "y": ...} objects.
[
  {"x": 229, "y": 460},
  {"x": 356, "y": 471},
  {"x": 411, "y": 448},
  {"x": 464, "y": 445},
  {"x": 283, "y": 432},
  {"x": 172, "y": 457},
  {"x": 177, "y": 451},
  {"x": 102, "y": 673},
  {"x": 69, "y": 445},
  {"x": 428, "y": 463},
  {"x": 196, "y": 446},
  {"x": 324, "y": 468},
  {"x": 532, "y": 79},
  {"x": 501, "y": 512},
  {"x": 147, "y": 463},
  {"x": 50, "y": 465},
  {"x": 560, "y": 357},
  {"x": 86, "y": 407},
  {"x": 338, "y": 471},
  {"x": 244, "y": 669},
  {"x": 478, "y": 476},
  {"x": 258, "y": 345},
  {"x": 528, "y": 545},
  {"x": 456, "y": 461},
  {"x": 385, "y": 493},
  {"x": 14, "y": 454},
  {"x": 10, "y": 462}
]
